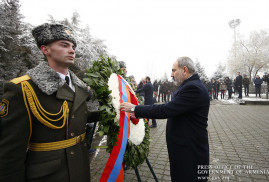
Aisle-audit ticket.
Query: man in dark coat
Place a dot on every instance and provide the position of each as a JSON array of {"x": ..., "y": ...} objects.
[
  {"x": 229, "y": 83},
  {"x": 266, "y": 80},
  {"x": 238, "y": 84},
  {"x": 149, "y": 100},
  {"x": 208, "y": 85},
  {"x": 44, "y": 116},
  {"x": 215, "y": 88},
  {"x": 186, "y": 130},
  {"x": 258, "y": 84},
  {"x": 246, "y": 83},
  {"x": 139, "y": 86}
]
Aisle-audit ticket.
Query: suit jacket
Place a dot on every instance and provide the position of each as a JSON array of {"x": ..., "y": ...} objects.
[
  {"x": 186, "y": 130},
  {"x": 20, "y": 164},
  {"x": 148, "y": 90}
]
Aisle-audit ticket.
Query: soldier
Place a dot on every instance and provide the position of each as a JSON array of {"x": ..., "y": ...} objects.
[
  {"x": 44, "y": 116},
  {"x": 133, "y": 81},
  {"x": 123, "y": 67}
]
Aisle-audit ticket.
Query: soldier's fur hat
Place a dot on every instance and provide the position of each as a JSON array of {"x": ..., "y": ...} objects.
[
  {"x": 48, "y": 33},
  {"x": 122, "y": 64}
]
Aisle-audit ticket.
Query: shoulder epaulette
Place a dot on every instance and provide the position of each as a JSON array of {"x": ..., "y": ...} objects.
[{"x": 20, "y": 79}]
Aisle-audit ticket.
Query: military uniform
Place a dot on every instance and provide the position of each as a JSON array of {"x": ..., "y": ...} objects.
[{"x": 27, "y": 149}]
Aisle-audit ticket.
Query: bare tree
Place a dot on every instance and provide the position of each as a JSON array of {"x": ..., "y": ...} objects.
[{"x": 252, "y": 54}]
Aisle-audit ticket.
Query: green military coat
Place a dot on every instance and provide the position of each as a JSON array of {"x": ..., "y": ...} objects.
[{"x": 17, "y": 162}]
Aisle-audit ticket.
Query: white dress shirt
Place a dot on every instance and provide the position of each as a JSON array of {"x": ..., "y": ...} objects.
[{"x": 62, "y": 76}]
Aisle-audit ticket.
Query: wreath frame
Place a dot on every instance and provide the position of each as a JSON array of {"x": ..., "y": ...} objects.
[{"x": 97, "y": 78}]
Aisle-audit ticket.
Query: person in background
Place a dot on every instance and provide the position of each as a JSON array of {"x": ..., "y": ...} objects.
[
  {"x": 166, "y": 89},
  {"x": 133, "y": 81},
  {"x": 223, "y": 88},
  {"x": 229, "y": 84},
  {"x": 169, "y": 92},
  {"x": 208, "y": 85},
  {"x": 159, "y": 91},
  {"x": 234, "y": 88},
  {"x": 162, "y": 92},
  {"x": 266, "y": 80},
  {"x": 139, "y": 86},
  {"x": 238, "y": 84},
  {"x": 246, "y": 83},
  {"x": 123, "y": 67},
  {"x": 148, "y": 90},
  {"x": 215, "y": 89},
  {"x": 258, "y": 84},
  {"x": 155, "y": 91}
]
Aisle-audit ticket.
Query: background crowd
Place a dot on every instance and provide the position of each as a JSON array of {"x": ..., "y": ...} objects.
[
  {"x": 162, "y": 90},
  {"x": 223, "y": 88},
  {"x": 236, "y": 87}
]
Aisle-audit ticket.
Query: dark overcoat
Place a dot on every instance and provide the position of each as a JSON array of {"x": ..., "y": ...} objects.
[
  {"x": 17, "y": 163},
  {"x": 258, "y": 82},
  {"x": 148, "y": 90},
  {"x": 239, "y": 81},
  {"x": 186, "y": 130}
]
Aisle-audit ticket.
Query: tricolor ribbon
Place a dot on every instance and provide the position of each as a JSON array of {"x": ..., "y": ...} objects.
[{"x": 114, "y": 169}]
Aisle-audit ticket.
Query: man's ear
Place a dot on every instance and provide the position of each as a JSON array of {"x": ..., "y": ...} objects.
[
  {"x": 44, "y": 49},
  {"x": 185, "y": 68}
]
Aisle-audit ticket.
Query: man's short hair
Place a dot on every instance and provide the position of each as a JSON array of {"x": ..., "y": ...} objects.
[
  {"x": 186, "y": 61},
  {"x": 148, "y": 78}
]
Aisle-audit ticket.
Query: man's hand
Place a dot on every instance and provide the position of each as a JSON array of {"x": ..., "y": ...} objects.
[
  {"x": 132, "y": 116},
  {"x": 126, "y": 106}
]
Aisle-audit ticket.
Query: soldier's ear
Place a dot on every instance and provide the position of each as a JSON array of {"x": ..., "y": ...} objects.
[{"x": 44, "y": 49}]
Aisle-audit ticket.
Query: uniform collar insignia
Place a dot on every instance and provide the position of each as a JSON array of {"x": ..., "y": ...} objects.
[{"x": 4, "y": 107}]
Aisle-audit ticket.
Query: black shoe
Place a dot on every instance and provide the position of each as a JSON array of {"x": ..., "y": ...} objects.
[{"x": 153, "y": 126}]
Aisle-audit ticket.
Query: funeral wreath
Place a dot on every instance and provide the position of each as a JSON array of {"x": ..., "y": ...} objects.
[{"x": 102, "y": 78}]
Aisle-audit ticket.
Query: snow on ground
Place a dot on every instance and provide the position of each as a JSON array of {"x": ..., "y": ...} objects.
[{"x": 235, "y": 100}]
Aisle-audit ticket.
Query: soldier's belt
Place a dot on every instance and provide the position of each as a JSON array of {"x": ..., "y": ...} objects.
[{"x": 56, "y": 145}]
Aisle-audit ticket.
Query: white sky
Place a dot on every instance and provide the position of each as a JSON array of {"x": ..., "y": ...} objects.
[{"x": 149, "y": 35}]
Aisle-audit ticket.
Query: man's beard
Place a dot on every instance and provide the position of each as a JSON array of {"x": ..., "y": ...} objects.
[{"x": 177, "y": 82}]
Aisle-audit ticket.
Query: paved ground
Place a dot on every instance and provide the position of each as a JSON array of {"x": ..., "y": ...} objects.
[{"x": 239, "y": 146}]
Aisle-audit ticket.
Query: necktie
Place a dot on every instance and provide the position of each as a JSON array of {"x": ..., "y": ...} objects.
[{"x": 67, "y": 80}]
